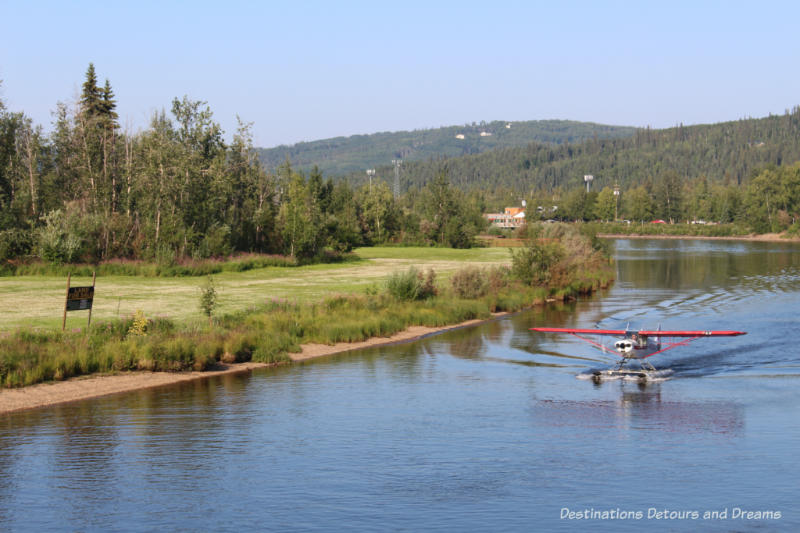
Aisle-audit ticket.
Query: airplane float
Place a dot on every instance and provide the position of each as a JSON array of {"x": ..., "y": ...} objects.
[{"x": 639, "y": 345}]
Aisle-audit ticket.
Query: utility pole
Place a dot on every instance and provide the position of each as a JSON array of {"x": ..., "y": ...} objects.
[
  {"x": 397, "y": 163},
  {"x": 616, "y": 201}
]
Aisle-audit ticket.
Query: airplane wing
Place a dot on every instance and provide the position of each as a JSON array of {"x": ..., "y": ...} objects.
[
  {"x": 654, "y": 333},
  {"x": 693, "y": 333},
  {"x": 579, "y": 331}
]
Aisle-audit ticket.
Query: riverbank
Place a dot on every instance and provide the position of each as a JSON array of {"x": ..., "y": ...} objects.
[
  {"x": 405, "y": 306},
  {"x": 95, "y": 386},
  {"x": 764, "y": 237}
]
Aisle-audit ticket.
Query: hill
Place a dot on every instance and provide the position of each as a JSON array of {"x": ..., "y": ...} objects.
[
  {"x": 725, "y": 152},
  {"x": 355, "y": 154}
]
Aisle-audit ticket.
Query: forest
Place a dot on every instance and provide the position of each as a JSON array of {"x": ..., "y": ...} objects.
[
  {"x": 727, "y": 152},
  {"x": 354, "y": 154},
  {"x": 743, "y": 172},
  {"x": 88, "y": 192}
]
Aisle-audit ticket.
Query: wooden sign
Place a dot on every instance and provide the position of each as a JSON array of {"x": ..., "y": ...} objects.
[{"x": 79, "y": 299}]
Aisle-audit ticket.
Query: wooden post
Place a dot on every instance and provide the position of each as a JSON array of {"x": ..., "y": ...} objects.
[
  {"x": 89, "y": 323},
  {"x": 66, "y": 299}
]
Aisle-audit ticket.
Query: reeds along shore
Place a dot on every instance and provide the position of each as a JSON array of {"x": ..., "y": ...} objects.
[{"x": 271, "y": 331}]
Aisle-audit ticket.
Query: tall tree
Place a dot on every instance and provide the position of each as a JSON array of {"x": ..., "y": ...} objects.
[
  {"x": 604, "y": 207},
  {"x": 300, "y": 217},
  {"x": 637, "y": 204}
]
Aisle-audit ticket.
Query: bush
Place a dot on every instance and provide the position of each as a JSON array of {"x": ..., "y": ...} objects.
[
  {"x": 498, "y": 278},
  {"x": 470, "y": 282},
  {"x": 208, "y": 298},
  {"x": 58, "y": 242},
  {"x": 532, "y": 264},
  {"x": 412, "y": 285}
]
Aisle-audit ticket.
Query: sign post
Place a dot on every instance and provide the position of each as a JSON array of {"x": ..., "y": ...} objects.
[{"x": 79, "y": 299}]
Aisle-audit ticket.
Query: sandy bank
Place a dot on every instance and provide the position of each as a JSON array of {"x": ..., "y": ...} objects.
[
  {"x": 310, "y": 351},
  {"x": 85, "y": 387},
  {"x": 764, "y": 237}
]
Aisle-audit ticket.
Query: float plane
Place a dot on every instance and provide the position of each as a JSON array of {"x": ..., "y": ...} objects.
[{"x": 639, "y": 345}]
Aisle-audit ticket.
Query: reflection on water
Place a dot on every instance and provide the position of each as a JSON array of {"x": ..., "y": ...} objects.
[
  {"x": 477, "y": 429},
  {"x": 645, "y": 410}
]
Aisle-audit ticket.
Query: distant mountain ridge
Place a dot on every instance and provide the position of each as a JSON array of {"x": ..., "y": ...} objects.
[
  {"x": 347, "y": 155},
  {"x": 725, "y": 152}
]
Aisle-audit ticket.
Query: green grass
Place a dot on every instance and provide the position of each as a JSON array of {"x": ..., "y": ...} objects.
[
  {"x": 475, "y": 255},
  {"x": 38, "y": 301},
  {"x": 327, "y": 304},
  {"x": 265, "y": 334}
]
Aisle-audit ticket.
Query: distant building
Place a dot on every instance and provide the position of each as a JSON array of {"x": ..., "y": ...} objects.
[
  {"x": 486, "y": 134},
  {"x": 460, "y": 136},
  {"x": 513, "y": 217}
]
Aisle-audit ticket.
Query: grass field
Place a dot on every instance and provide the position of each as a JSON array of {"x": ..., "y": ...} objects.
[{"x": 38, "y": 301}]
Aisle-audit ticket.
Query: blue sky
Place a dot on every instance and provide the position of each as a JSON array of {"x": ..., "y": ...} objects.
[{"x": 302, "y": 71}]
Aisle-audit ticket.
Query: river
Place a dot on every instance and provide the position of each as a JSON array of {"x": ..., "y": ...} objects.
[{"x": 479, "y": 429}]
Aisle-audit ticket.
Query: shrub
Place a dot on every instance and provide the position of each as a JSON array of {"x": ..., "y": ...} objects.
[
  {"x": 139, "y": 326},
  {"x": 58, "y": 242},
  {"x": 498, "y": 278},
  {"x": 470, "y": 282},
  {"x": 531, "y": 264},
  {"x": 208, "y": 298},
  {"x": 412, "y": 285}
]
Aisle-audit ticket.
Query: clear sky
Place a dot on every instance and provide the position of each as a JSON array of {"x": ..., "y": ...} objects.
[{"x": 302, "y": 71}]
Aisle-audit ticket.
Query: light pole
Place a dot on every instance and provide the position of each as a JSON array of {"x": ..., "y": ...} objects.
[
  {"x": 370, "y": 173},
  {"x": 616, "y": 201},
  {"x": 588, "y": 179}
]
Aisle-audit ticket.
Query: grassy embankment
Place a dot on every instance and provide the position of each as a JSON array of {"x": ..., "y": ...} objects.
[{"x": 266, "y": 313}]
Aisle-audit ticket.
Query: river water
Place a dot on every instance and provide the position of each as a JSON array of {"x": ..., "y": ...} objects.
[{"x": 479, "y": 429}]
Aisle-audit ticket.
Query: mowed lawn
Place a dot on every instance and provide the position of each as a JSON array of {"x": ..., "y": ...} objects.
[{"x": 38, "y": 301}]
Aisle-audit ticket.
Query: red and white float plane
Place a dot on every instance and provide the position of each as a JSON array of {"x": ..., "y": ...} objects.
[{"x": 637, "y": 344}]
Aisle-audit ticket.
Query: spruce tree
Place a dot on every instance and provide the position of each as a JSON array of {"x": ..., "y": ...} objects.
[
  {"x": 108, "y": 106},
  {"x": 91, "y": 103}
]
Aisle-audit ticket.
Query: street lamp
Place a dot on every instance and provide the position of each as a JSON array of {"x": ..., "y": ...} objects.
[
  {"x": 616, "y": 201},
  {"x": 370, "y": 173}
]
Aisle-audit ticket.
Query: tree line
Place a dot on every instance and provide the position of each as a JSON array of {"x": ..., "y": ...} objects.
[
  {"x": 89, "y": 192},
  {"x": 743, "y": 171},
  {"x": 767, "y": 202}
]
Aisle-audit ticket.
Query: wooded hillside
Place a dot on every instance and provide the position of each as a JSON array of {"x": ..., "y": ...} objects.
[
  {"x": 355, "y": 154},
  {"x": 728, "y": 152}
]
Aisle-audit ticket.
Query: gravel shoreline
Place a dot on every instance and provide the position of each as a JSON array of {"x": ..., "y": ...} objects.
[{"x": 95, "y": 386}]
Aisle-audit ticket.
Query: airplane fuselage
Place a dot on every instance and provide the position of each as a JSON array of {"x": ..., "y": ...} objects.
[{"x": 637, "y": 346}]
